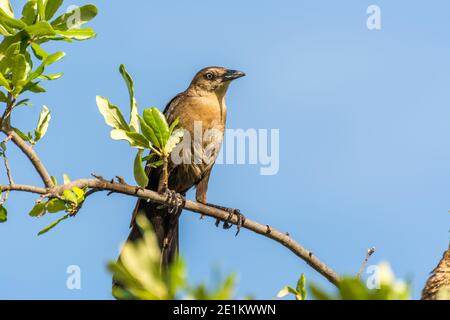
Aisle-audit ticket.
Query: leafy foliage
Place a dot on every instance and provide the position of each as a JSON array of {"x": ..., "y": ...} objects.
[
  {"x": 69, "y": 201},
  {"x": 23, "y": 63},
  {"x": 353, "y": 288},
  {"x": 139, "y": 274},
  {"x": 149, "y": 131},
  {"x": 299, "y": 292},
  {"x": 24, "y": 37}
]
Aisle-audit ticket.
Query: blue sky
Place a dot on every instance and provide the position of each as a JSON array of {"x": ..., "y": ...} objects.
[{"x": 364, "y": 140}]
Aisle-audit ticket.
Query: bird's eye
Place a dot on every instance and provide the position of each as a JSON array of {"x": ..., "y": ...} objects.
[{"x": 209, "y": 76}]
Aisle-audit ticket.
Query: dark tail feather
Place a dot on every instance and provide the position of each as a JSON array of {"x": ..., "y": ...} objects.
[{"x": 165, "y": 226}]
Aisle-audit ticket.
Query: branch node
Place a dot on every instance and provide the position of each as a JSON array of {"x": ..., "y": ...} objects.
[{"x": 120, "y": 180}]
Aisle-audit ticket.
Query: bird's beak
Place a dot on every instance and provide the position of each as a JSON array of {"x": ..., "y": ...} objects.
[{"x": 231, "y": 75}]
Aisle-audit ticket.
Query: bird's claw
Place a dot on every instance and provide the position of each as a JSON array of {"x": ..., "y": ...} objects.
[
  {"x": 175, "y": 201},
  {"x": 227, "y": 223}
]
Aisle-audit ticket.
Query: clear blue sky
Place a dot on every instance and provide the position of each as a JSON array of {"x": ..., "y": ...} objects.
[{"x": 364, "y": 119}]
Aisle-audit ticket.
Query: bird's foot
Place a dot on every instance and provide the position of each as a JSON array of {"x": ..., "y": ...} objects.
[
  {"x": 175, "y": 201},
  {"x": 231, "y": 213}
]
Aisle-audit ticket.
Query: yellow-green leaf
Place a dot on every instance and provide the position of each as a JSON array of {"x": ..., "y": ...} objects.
[{"x": 139, "y": 173}]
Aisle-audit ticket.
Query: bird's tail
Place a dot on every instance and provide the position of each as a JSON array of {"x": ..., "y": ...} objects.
[{"x": 165, "y": 227}]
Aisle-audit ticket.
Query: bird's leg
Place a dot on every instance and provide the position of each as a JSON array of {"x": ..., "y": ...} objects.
[
  {"x": 231, "y": 212},
  {"x": 175, "y": 202}
]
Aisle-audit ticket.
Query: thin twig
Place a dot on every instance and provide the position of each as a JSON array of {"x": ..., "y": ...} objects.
[
  {"x": 369, "y": 253},
  {"x": 31, "y": 154}
]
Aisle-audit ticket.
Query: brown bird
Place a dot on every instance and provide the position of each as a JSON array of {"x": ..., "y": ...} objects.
[{"x": 201, "y": 110}]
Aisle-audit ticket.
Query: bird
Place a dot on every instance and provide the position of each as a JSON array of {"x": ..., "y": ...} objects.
[{"x": 202, "y": 103}]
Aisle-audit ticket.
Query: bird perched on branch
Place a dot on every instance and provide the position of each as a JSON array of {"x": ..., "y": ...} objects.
[{"x": 201, "y": 111}]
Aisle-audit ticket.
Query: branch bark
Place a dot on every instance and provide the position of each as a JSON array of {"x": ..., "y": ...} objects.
[
  {"x": 99, "y": 184},
  {"x": 31, "y": 155}
]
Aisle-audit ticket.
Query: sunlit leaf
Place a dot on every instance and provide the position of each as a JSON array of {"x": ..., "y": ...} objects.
[
  {"x": 4, "y": 82},
  {"x": 70, "y": 196},
  {"x": 42, "y": 125},
  {"x": 135, "y": 139},
  {"x": 56, "y": 205},
  {"x": 51, "y": 7},
  {"x": 51, "y": 76},
  {"x": 42, "y": 28},
  {"x": 41, "y": 8},
  {"x": 156, "y": 120},
  {"x": 75, "y": 18},
  {"x": 78, "y": 34},
  {"x": 52, "y": 225},
  {"x": 139, "y": 173},
  {"x": 9, "y": 21},
  {"x": 112, "y": 114},
  {"x": 38, "y": 210},
  {"x": 38, "y": 51},
  {"x": 29, "y": 12},
  {"x": 5, "y": 5},
  {"x": 134, "y": 121},
  {"x": 66, "y": 178},
  {"x": 148, "y": 132},
  {"x": 3, "y": 214}
]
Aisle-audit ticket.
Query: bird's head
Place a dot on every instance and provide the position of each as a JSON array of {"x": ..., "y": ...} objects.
[{"x": 214, "y": 80}]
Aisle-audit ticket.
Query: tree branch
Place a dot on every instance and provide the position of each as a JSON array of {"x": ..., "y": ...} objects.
[
  {"x": 100, "y": 184},
  {"x": 31, "y": 154}
]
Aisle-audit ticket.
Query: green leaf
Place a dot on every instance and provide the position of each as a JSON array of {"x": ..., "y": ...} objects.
[
  {"x": 29, "y": 12},
  {"x": 19, "y": 68},
  {"x": 148, "y": 132},
  {"x": 66, "y": 178},
  {"x": 6, "y": 20},
  {"x": 51, "y": 7},
  {"x": 41, "y": 8},
  {"x": 3, "y": 214},
  {"x": 23, "y": 102},
  {"x": 40, "y": 29},
  {"x": 6, "y": 6},
  {"x": 52, "y": 225},
  {"x": 79, "y": 194},
  {"x": 155, "y": 164},
  {"x": 6, "y": 31},
  {"x": 22, "y": 135},
  {"x": 33, "y": 87},
  {"x": 135, "y": 139},
  {"x": 75, "y": 18},
  {"x": 112, "y": 114},
  {"x": 285, "y": 291},
  {"x": 52, "y": 58},
  {"x": 70, "y": 196},
  {"x": 56, "y": 205},
  {"x": 3, "y": 97},
  {"x": 38, "y": 51},
  {"x": 301, "y": 287},
  {"x": 78, "y": 34},
  {"x": 134, "y": 121},
  {"x": 54, "y": 180},
  {"x": 4, "y": 82},
  {"x": 51, "y": 76},
  {"x": 38, "y": 210},
  {"x": 162, "y": 124},
  {"x": 156, "y": 120},
  {"x": 42, "y": 125},
  {"x": 139, "y": 172},
  {"x": 174, "y": 125}
]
